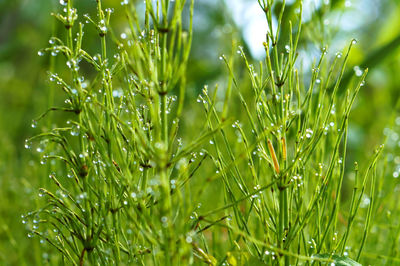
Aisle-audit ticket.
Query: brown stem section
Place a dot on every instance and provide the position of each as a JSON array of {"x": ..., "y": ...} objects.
[{"x": 82, "y": 256}]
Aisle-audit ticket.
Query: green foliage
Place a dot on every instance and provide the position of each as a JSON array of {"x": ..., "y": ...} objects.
[{"x": 258, "y": 170}]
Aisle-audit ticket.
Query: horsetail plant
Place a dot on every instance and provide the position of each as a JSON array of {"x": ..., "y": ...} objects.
[
  {"x": 298, "y": 157},
  {"x": 122, "y": 189},
  {"x": 125, "y": 197}
]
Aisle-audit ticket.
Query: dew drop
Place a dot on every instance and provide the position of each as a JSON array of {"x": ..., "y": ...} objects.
[
  {"x": 28, "y": 144},
  {"x": 397, "y": 120},
  {"x": 358, "y": 71},
  {"x": 309, "y": 133},
  {"x": 43, "y": 160},
  {"x": 75, "y": 130}
]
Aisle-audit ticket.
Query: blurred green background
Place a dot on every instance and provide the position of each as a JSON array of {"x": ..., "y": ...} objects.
[{"x": 26, "y": 26}]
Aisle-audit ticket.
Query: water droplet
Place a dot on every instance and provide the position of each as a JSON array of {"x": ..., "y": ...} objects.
[
  {"x": 103, "y": 29},
  {"x": 211, "y": 142},
  {"x": 318, "y": 81},
  {"x": 28, "y": 144},
  {"x": 123, "y": 36},
  {"x": 309, "y": 133},
  {"x": 358, "y": 71},
  {"x": 43, "y": 160},
  {"x": 34, "y": 124},
  {"x": 125, "y": 2},
  {"x": 75, "y": 130},
  {"x": 118, "y": 93},
  {"x": 354, "y": 41},
  {"x": 338, "y": 54},
  {"x": 397, "y": 120},
  {"x": 63, "y": 2}
]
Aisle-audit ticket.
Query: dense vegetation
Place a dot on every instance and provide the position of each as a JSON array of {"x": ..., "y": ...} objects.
[{"x": 154, "y": 141}]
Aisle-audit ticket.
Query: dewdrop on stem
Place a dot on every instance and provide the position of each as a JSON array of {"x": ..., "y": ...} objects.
[
  {"x": 28, "y": 144},
  {"x": 358, "y": 71}
]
